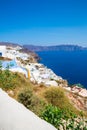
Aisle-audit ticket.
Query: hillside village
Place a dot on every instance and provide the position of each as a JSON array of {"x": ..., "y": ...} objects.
[
  {"x": 37, "y": 73},
  {"x": 20, "y": 62}
]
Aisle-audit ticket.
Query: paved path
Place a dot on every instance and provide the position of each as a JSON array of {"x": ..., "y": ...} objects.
[{"x": 14, "y": 116}]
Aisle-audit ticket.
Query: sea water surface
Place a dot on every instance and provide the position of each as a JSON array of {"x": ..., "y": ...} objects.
[{"x": 70, "y": 65}]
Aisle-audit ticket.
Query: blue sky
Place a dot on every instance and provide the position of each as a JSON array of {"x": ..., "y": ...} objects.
[{"x": 44, "y": 22}]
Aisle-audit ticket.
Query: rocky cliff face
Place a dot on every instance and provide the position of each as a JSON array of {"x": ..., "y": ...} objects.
[
  {"x": 34, "y": 56},
  {"x": 78, "y": 101}
]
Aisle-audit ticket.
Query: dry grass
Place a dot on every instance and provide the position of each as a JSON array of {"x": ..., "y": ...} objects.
[{"x": 56, "y": 96}]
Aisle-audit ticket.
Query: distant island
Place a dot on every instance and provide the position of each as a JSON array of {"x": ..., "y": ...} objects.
[
  {"x": 36, "y": 48},
  {"x": 55, "y": 48}
]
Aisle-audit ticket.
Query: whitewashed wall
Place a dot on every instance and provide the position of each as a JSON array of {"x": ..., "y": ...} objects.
[{"x": 3, "y": 50}]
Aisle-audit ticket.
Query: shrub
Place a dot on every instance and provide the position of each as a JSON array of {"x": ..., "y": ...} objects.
[
  {"x": 10, "y": 80},
  {"x": 73, "y": 125},
  {"x": 7, "y": 79},
  {"x": 31, "y": 101},
  {"x": 57, "y": 117},
  {"x": 53, "y": 115},
  {"x": 25, "y": 97},
  {"x": 57, "y": 97},
  {"x": 79, "y": 85}
]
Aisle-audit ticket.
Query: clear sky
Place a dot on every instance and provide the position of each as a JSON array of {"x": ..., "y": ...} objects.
[{"x": 44, "y": 22}]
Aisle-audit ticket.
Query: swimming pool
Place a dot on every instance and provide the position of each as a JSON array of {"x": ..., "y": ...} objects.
[
  {"x": 14, "y": 67},
  {"x": 10, "y": 64}
]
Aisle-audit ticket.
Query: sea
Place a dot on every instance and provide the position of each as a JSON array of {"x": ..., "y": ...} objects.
[{"x": 70, "y": 65}]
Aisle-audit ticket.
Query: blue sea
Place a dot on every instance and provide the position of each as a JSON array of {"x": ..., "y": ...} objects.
[{"x": 70, "y": 65}]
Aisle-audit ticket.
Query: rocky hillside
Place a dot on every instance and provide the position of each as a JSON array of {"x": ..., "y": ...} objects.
[{"x": 35, "y": 57}]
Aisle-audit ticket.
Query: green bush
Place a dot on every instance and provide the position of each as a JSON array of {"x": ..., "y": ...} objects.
[
  {"x": 57, "y": 97},
  {"x": 7, "y": 79},
  {"x": 31, "y": 101},
  {"x": 57, "y": 117},
  {"x": 25, "y": 97},
  {"x": 53, "y": 115},
  {"x": 79, "y": 85},
  {"x": 73, "y": 125}
]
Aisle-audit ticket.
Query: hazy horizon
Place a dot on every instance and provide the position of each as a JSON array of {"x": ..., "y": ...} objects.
[{"x": 43, "y": 45}]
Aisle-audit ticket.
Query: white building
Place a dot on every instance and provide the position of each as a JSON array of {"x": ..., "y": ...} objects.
[{"x": 3, "y": 51}]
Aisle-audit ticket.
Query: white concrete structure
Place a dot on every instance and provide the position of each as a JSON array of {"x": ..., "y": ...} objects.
[
  {"x": 41, "y": 74},
  {"x": 51, "y": 83},
  {"x": 3, "y": 51},
  {"x": 14, "y": 116},
  {"x": 20, "y": 70}
]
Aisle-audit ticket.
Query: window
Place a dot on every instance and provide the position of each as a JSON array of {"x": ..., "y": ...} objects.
[{"x": 0, "y": 53}]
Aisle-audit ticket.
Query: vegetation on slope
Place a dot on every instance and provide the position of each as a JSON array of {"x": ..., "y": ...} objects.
[
  {"x": 31, "y": 101},
  {"x": 51, "y": 104}
]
